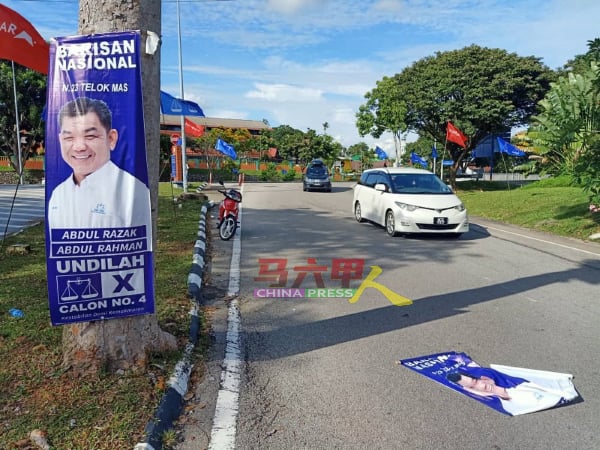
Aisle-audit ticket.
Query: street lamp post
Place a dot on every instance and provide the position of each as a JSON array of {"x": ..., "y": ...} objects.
[{"x": 181, "y": 95}]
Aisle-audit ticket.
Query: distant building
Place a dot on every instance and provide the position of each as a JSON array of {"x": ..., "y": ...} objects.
[{"x": 172, "y": 124}]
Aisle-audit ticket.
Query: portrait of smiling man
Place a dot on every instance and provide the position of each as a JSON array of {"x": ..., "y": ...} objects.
[{"x": 98, "y": 194}]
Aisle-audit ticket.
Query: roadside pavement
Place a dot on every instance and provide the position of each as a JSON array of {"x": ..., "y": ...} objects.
[
  {"x": 195, "y": 423},
  {"x": 21, "y": 206}
]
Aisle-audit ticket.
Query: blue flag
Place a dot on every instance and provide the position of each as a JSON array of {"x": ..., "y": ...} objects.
[
  {"x": 381, "y": 154},
  {"x": 509, "y": 149},
  {"x": 178, "y": 107},
  {"x": 434, "y": 154},
  {"x": 225, "y": 148},
  {"x": 416, "y": 159}
]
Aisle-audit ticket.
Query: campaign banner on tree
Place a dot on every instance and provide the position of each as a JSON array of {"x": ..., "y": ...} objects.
[
  {"x": 509, "y": 390},
  {"x": 98, "y": 216}
]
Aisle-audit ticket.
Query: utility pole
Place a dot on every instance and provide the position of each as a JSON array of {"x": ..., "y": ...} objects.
[{"x": 90, "y": 347}]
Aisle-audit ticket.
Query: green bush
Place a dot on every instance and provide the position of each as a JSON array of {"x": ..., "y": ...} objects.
[
  {"x": 269, "y": 174},
  {"x": 557, "y": 181},
  {"x": 290, "y": 175}
]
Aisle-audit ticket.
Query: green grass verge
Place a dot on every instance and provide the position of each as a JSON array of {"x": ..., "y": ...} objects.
[
  {"x": 547, "y": 205},
  {"x": 109, "y": 412}
]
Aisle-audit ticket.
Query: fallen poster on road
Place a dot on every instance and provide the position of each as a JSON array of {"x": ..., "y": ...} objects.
[
  {"x": 98, "y": 215},
  {"x": 509, "y": 390}
]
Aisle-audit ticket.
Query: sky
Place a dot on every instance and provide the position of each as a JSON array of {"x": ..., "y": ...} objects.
[{"x": 304, "y": 63}]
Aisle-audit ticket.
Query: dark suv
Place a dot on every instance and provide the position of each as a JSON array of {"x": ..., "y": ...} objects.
[{"x": 316, "y": 177}]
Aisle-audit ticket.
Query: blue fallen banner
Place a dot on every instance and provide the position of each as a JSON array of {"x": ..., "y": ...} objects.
[
  {"x": 98, "y": 216},
  {"x": 509, "y": 390}
]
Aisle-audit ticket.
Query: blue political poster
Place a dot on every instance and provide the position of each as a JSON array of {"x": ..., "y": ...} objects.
[
  {"x": 98, "y": 214},
  {"x": 509, "y": 390}
]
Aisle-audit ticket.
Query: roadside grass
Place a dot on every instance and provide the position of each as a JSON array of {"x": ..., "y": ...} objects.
[
  {"x": 110, "y": 411},
  {"x": 551, "y": 206}
]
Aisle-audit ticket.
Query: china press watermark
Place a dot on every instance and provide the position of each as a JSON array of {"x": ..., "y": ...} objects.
[{"x": 344, "y": 270}]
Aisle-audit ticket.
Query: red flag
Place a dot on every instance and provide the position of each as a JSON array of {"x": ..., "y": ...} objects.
[
  {"x": 20, "y": 42},
  {"x": 193, "y": 129},
  {"x": 453, "y": 134}
]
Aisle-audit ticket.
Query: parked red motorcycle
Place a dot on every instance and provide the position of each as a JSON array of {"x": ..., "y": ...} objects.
[{"x": 228, "y": 212}]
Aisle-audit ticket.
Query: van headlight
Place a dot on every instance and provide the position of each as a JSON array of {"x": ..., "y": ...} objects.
[{"x": 406, "y": 206}]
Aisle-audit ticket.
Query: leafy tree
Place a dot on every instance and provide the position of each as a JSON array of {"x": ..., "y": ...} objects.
[
  {"x": 31, "y": 98},
  {"x": 206, "y": 143},
  {"x": 569, "y": 129},
  {"x": 289, "y": 141},
  {"x": 319, "y": 146},
  {"x": 302, "y": 147},
  {"x": 384, "y": 111},
  {"x": 357, "y": 149},
  {"x": 581, "y": 63},
  {"x": 480, "y": 90}
]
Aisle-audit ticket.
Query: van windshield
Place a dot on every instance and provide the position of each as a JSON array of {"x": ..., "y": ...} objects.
[
  {"x": 317, "y": 171},
  {"x": 419, "y": 184}
]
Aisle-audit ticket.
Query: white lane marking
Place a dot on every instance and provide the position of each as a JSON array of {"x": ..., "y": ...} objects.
[
  {"x": 226, "y": 411},
  {"x": 541, "y": 240}
]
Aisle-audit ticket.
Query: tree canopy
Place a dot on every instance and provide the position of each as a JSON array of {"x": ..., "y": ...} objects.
[
  {"x": 480, "y": 90},
  {"x": 303, "y": 146},
  {"x": 31, "y": 98}
]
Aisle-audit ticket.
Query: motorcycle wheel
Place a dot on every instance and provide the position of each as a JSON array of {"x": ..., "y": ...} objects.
[{"x": 227, "y": 228}]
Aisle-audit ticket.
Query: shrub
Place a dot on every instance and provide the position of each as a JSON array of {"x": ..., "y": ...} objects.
[
  {"x": 290, "y": 175},
  {"x": 269, "y": 174}
]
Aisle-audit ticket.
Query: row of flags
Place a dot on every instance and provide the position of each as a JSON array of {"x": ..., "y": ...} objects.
[{"x": 21, "y": 42}]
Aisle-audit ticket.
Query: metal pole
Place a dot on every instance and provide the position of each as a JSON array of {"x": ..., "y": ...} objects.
[
  {"x": 19, "y": 156},
  {"x": 402, "y": 147},
  {"x": 181, "y": 95},
  {"x": 397, "y": 162}
]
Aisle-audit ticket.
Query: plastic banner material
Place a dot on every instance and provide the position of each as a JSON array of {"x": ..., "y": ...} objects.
[
  {"x": 509, "y": 390},
  {"x": 98, "y": 215}
]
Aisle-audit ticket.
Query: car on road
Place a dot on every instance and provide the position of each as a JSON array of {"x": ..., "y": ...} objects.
[
  {"x": 316, "y": 177},
  {"x": 406, "y": 200},
  {"x": 475, "y": 173}
]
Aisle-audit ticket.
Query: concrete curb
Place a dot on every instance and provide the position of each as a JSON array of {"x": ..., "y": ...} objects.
[
  {"x": 171, "y": 405},
  {"x": 201, "y": 187}
]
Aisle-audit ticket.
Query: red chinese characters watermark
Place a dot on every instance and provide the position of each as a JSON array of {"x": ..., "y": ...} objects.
[{"x": 274, "y": 270}]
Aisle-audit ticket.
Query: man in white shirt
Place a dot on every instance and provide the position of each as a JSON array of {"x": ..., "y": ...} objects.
[
  {"x": 98, "y": 194},
  {"x": 516, "y": 395}
]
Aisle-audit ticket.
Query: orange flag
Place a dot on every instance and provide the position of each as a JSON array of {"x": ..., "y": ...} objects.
[
  {"x": 453, "y": 134},
  {"x": 20, "y": 42},
  {"x": 193, "y": 129}
]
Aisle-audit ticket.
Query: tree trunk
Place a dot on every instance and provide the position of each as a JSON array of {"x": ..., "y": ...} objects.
[{"x": 124, "y": 343}]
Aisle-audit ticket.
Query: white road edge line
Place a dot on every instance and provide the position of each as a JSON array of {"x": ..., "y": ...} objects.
[
  {"x": 223, "y": 431},
  {"x": 541, "y": 240}
]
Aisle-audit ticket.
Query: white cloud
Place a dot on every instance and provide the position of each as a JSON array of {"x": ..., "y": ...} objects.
[
  {"x": 284, "y": 93},
  {"x": 306, "y": 62}
]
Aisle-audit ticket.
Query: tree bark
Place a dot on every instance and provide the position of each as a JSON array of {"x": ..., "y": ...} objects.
[{"x": 124, "y": 343}]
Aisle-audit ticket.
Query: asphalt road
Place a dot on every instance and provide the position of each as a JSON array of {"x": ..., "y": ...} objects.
[
  {"x": 20, "y": 208},
  {"x": 323, "y": 373}
]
